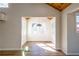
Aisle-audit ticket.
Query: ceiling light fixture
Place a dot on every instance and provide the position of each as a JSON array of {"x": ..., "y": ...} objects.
[
  {"x": 27, "y": 18},
  {"x": 49, "y": 17}
]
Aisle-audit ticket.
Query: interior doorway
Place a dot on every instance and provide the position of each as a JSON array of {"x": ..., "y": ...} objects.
[{"x": 40, "y": 31}]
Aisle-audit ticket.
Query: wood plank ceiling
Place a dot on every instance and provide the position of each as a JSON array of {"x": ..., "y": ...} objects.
[{"x": 59, "y": 6}]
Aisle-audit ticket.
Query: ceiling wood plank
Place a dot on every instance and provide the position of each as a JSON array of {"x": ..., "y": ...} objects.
[{"x": 59, "y": 6}]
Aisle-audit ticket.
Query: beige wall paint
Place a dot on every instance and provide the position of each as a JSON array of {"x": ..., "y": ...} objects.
[
  {"x": 11, "y": 29},
  {"x": 1, "y": 37},
  {"x": 70, "y": 41},
  {"x": 58, "y": 32}
]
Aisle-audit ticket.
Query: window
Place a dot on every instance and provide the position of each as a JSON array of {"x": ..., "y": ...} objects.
[
  {"x": 37, "y": 27},
  {"x": 77, "y": 22},
  {"x": 3, "y": 5}
]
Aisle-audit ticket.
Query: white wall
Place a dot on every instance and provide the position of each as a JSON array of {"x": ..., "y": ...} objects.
[
  {"x": 53, "y": 31},
  {"x": 24, "y": 31},
  {"x": 11, "y": 29},
  {"x": 64, "y": 33},
  {"x": 73, "y": 36},
  {"x": 70, "y": 39},
  {"x": 43, "y": 34}
]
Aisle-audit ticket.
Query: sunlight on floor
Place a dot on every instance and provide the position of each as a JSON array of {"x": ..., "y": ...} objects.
[
  {"x": 26, "y": 49},
  {"x": 46, "y": 47},
  {"x": 40, "y": 49},
  {"x": 51, "y": 45},
  {"x": 40, "y": 44},
  {"x": 23, "y": 53}
]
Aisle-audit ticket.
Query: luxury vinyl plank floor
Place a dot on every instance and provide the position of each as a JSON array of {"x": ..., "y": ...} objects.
[
  {"x": 41, "y": 49},
  {"x": 34, "y": 49}
]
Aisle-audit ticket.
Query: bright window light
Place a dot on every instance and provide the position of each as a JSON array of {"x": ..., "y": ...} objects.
[
  {"x": 3, "y": 5},
  {"x": 77, "y": 22}
]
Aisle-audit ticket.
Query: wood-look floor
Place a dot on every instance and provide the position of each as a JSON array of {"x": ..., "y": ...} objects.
[
  {"x": 10, "y": 53},
  {"x": 35, "y": 49}
]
